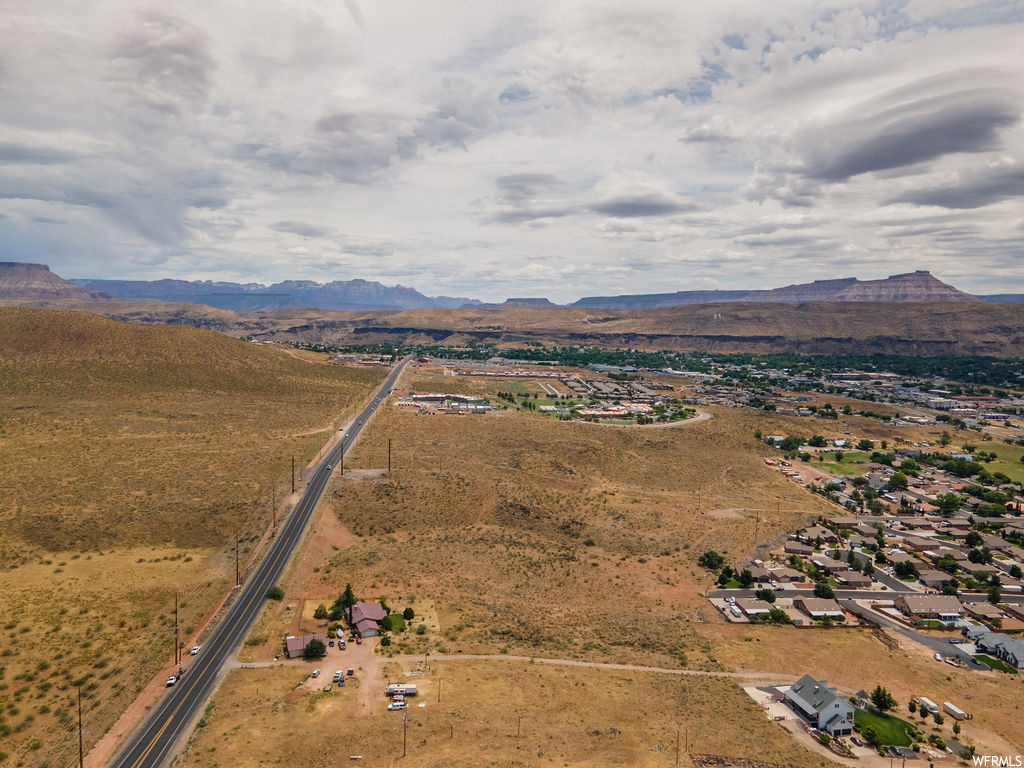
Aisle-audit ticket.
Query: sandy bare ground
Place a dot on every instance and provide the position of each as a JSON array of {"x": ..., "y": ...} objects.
[{"x": 767, "y": 677}]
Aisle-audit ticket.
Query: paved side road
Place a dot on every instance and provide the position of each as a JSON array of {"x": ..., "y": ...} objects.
[{"x": 152, "y": 743}]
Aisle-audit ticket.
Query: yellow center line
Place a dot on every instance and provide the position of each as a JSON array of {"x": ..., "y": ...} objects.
[
  {"x": 243, "y": 611},
  {"x": 300, "y": 511}
]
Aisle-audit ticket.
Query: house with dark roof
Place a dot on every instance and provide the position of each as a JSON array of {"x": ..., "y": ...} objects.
[
  {"x": 821, "y": 706},
  {"x": 1003, "y": 647},
  {"x": 365, "y": 618}
]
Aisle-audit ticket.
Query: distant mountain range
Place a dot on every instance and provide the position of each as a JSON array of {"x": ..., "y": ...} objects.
[
  {"x": 35, "y": 281},
  {"x": 361, "y": 295},
  {"x": 910, "y": 286}
]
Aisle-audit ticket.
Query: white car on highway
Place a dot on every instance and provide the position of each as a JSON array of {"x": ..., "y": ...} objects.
[
  {"x": 195, "y": 649},
  {"x": 171, "y": 681}
]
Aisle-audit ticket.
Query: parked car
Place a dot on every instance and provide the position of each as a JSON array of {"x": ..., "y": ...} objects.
[
  {"x": 171, "y": 681},
  {"x": 359, "y": 639},
  {"x": 396, "y": 705},
  {"x": 330, "y": 643},
  {"x": 338, "y": 674},
  {"x": 351, "y": 671},
  {"x": 195, "y": 649},
  {"x": 327, "y": 688},
  {"x": 938, "y": 657},
  {"x": 316, "y": 673},
  {"x": 341, "y": 645},
  {"x": 856, "y": 740}
]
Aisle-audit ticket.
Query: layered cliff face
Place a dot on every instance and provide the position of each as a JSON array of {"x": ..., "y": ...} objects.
[
  {"x": 910, "y": 286},
  {"x": 35, "y": 281}
]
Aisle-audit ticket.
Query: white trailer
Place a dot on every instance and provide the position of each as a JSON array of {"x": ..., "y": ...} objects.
[
  {"x": 400, "y": 689},
  {"x": 954, "y": 711},
  {"x": 735, "y": 611},
  {"x": 927, "y": 704}
]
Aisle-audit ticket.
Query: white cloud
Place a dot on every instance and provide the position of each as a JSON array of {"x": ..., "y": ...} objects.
[{"x": 570, "y": 147}]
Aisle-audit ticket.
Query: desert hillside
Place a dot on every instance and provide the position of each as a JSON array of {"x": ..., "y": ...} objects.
[{"x": 131, "y": 456}]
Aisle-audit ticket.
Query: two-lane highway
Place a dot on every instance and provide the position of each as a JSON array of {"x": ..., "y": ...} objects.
[{"x": 150, "y": 745}]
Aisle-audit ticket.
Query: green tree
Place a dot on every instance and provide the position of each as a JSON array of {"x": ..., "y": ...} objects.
[
  {"x": 346, "y": 600},
  {"x": 778, "y": 616},
  {"x": 905, "y": 569},
  {"x": 912, "y": 706},
  {"x": 948, "y": 503},
  {"x": 1015, "y": 572},
  {"x": 956, "y": 729},
  {"x": 945, "y": 439},
  {"x": 973, "y": 539},
  {"x": 765, "y": 594},
  {"x": 408, "y": 614},
  {"x": 823, "y": 590},
  {"x": 817, "y": 441},
  {"x": 882, "y": 699},
  {"x": 276, "y": 592},
  {"x": 865, "y": 445},
  {"x": 315, "y": 649},
  {"x": 320, "y": 612},
  {"x": 994, "y": 595},
  {"x": 898, "y": 482},
  {"x": 711, "y": 560},
  {"x": 870, "y": 736},
  {"x": 746, "y": 578}
]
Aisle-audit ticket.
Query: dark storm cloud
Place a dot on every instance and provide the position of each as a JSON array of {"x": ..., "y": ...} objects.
[
  {"x": 640, "y": 204},
  {"x": 991, "y": 188},
  {"x": 302, "y": 229},
  {"x": 918, "y": 129},
  {"x": 524, "y": 186},
  {"x": 521, "y": 215},
  {"x": 20, "y": 154}
]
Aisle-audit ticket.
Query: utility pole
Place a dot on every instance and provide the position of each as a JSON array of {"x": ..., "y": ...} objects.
[
  {"x": 519, "y": 725},
  {"x": 341, "y": 463},
  {"x": 81, "y": 756},
  {"x": 405, "y": 731},
  {"x": 236, "y": 558},
  {"x": 439, "y": 690},
  {"x": 175, "y": 628},
  {"x": 293, "y": 474},
  {"x": 677, "y": 743},
  {"x": 389, "y": 454}
]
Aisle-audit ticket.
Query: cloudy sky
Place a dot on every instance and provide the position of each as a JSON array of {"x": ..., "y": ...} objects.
[{"x": 492, "y": 149}]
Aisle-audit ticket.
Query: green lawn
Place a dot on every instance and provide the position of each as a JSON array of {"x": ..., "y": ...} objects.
[
  {"x": 890, "y": 729},
  {"x": 995, "y": 664},
  {"x": 1009, "y": 459},
  {"x": 852, "y": 463}
]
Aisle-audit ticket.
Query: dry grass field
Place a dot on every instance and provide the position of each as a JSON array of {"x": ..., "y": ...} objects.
[
  {"x": 491, "y": 713},
  {"x": 569, "y": 539},
  {"x": 131, "y": 455},
  {"x": 524, "y": 536}
]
